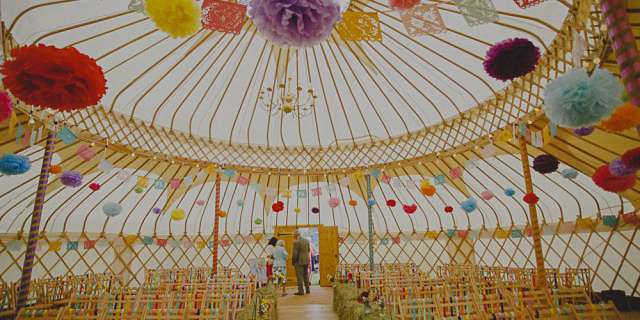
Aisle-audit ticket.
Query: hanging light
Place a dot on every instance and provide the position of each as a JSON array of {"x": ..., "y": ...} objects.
[{"x": 287, "y": 101}]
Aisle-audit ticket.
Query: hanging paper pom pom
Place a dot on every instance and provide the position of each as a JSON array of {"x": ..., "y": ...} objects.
[
  {"x": 200, "y": 202},
  {"x": 297, "y": 210},
  {"x": 353, "y": 202},
  {"x": 631, "y": 158},
  {"x": 240, "y": 202},
  {"x": 334, "y": 202},
  {"x": 428, "y": 190},
  {"x": 605, "y": 180},
  {"x": 55, "y": 169},
  {"x": 71, "y": 179},
  {"x": 511, "y": 58},
  {"x": 583, "y": 132},
  {"x": 448, "y": 209},
  {"x": 6, "y": 106},
  {"x": 545, "y": 163},
  {"x": 12, "y": 164},
  {"x": 156, "y": 210},
  {"x": 403, "y": 4},
  {"x": 576, "y": 100},
  {"x": 486, "y": 195},
  {"x": 61, "y": 79},
  {"x": 569, "y": 173},
  {"x": 178, "y": 18},
  {"x": 455, "y": 172},
  {"x": 391, "y": 203},
  {"x": 624, "y": 117},
  {"x": 111, "y": 209},
  {"x": 469, "y": 205},
  {"x": 619, "y": 169},
  {"x": 138, "y": 190},
  {"x": 409, "y": 208},
  {"x": 277, "y": 206},
  {"x": 257, "y": 221},
  {"x": 85, "y": 152},
  {"x": 530, "y": 198},
  {"x": 315, "y": 210},
  {"x": 177, "y": 214},
  {"x": 371, "y": 202},
  {"x": 221, "y": 213},
  {"x": 105, "y": 166},
  {"x": 509, "y": 192},
  {"x": 94, "y": 186},
  {"x": 296, "y": 23}
]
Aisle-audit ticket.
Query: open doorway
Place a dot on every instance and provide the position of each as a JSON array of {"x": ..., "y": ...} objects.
[{"x": 311, "y": 234}]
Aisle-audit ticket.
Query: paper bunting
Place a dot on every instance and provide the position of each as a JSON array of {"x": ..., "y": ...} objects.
[
  {"x": 423, "y": 19},
  {"x": 286, "y": 194},
  {"x": 385, "y": 178},
  {"x": 502, "y": 234},
  {"x": 55, "y": 245},
  {"x": 477, "y": 12},
  {"x": 243, "y": 181},
  {"x": 173, "y": 243},
  {"x": 89, "y": 244},
  {"x": 130, "y": 239},
  {"x": 359, "y": 26},
  {"x": 301, "y": 194},
  {"x": 67, "y": 136},
  {"x": 523, "y": 4},
  {"x": 585, "y": 223},
  {"x": 147, "y": 240},
  {"x": 610, "y": 220},
  {"x": 200, "y": 244},
  {"x": 72, "y": 245},
  {"x": 431, "y": 235},
  {"x": 375, "y": 173},
  {"x": 174, "y": 183},
  {"x": 161, "y": 242},
  {"x": 516, "y": 233},
  {"x": 223, "y": 16},
  {"x": 503, "y": 135},
  {"x": 210, "y": 168},
  {"x": 316, "y": 192},
  {"x": 229, "y": 173},
  {"x": 439, "y": 179},
  {"x": 396, "y": 240},
  {"x": 455, "y": 172}
]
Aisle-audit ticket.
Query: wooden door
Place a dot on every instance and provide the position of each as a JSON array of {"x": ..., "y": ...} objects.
[
  {"x": 328, "y": 253},
  {"x": 286, "y": 233}
]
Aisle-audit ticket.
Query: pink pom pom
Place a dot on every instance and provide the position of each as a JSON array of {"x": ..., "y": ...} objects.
[
  {"x": 456, "y": 172},
  {"x": 486, "y": 195}
]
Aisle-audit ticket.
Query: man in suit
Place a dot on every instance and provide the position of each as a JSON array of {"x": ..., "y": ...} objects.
[{"x": 300, "y": 260}]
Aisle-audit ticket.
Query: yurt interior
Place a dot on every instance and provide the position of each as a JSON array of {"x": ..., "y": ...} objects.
[{"x": 319, "y": 159}]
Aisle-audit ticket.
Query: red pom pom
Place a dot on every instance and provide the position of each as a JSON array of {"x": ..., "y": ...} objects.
[
  {"x": 631, "y": 158},
  {"x": 605, "y": 180},
  {"x": 448, "y": 209},
  {"x": 277, "y": 206},
  {"x": 6, "y": 106},
  {"x": 403, "y": 4},
  {"x": 61, "y": 79},
  {"x": 94, "y": 186},
  {"x": 391, "y": 203},
  {"x": 409, "y": 209},
  {"x": 530, "y": 198}
]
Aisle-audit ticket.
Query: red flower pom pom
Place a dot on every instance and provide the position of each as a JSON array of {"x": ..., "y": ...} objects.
[
  {"x": 530, "y": 198},
  {"x": 6, "y": 106},
  {"x": 94, "y": 186},
  {"x": 448, "y": 209},
  {"x": 277, "y": 206},
  {"x": 391, "y": 203},
  {"x": 631, "y": 158},
  {"x": 605, "y": 180},
  {"x": 409, "y": 209},
  {"x": 61, "y": 79},
  {"x": 403, "y": 4}
]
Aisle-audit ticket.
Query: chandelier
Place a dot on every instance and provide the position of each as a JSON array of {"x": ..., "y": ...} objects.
[{"x": 287, "y": 101}]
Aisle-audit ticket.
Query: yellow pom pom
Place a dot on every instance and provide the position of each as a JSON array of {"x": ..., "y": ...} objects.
[
  {"x": 177, "y": 214},
  {"x": 178, "y": 18},
  {"x": 624, "y": 117}
]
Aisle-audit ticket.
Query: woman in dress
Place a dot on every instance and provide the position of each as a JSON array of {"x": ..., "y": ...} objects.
[
  {"x": 268, "y": 252},
  {"x": 280, "y": 264}
]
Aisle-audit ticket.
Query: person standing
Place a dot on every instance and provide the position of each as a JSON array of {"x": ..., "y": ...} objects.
[
  {"x": 300, "y": 261},
  {"x": 268, "y": 252},
  {"x": 280, "y": 265}
]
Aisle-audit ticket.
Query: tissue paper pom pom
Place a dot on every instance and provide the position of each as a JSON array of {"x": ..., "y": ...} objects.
[
  {"x": 509, "y": 192},
  {"x": 448, "y": 209},
  {"x": 530, "y": 198},
  {"x": 631, "y": 158},
  {"x": 177, "y": 214},
  {"x": 428, "y": 190},
  {"x": 605, "y": 180},
  {"x": 371, "y": 202},
  {"x": 619, "y": 169},
  {"x": 624, "y": 117},
  {"x": 409, "y": 208},
  {"x": 486, "y": 195},
  {"x": 61, "y": 79},
  {"x": 200, "y": 202},
  {"x": 403, "y": 4},
  {"x": 545, "y": 163},
  {"x": 257, "y": 221},
  {"x": 240, "y": 202},
  {"x": 353, "y": 202},
  {"x": 138, "y": 189},
  {"x": 576, "y": 100},
  {"x": 511, "y": 58},
  {"x": 12, "y": 164},
  {"x": 277, "y": 206},
  {"x": 298, "y": 23},
  {"x": 469, "y": 205},
  {"x": 582, "y": 132},
  {"x": 221, "y": 213},
  {"x": 6, "y": 106},
  {"x": 315, "y": 210},
  {"x": 297, "y": 210},
  {"x": 71, "y": 179},
  {"x": 334, "y": 202},
  {"x": 111, "y": 209},
  {"x": 156, "y": 210},
  {"x": 94, "y": 186},
  {"x": 569, "y": 173},
  {"x": 55, "y": 169},
  {"x": 391, "y": 203},
  {"x": 178, "y": 18}
]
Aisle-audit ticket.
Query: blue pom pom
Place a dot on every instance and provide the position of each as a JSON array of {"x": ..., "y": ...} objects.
[
  {"x": 12, "y": 164},
  {"x": 111, "y": 209},
  {"x": 469, "y": 205},
  {"x": 569, "y": 173},
  {"x": 371, "y": 202},
  {"x": 509, "y": 192},
  {"x": 576, "y": 100}
]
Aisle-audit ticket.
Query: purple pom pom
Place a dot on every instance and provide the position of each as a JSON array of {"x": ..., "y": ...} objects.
[
  {"x": 298, "y": 23},
  {"x": 581, "y": 132},
  {"x": 511, "y": 58},
  {"x": 315, "y": 210},
  {"x": 619, "y": 169},
  {"x": 71, "y": 179},
  {"x": 156, "y": 210},
  {"x": 545, "y": 163}
]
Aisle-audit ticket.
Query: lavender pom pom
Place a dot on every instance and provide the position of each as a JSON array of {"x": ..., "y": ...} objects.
[
  {"x": 545, "y": 163},
  {"x": 511, "y": 58},
  {"x": 581, "y": 132},
  {"x": 619, "y": 169},
  {"x": 298, "y": 23},
  {"x": 71, "y": 179}
]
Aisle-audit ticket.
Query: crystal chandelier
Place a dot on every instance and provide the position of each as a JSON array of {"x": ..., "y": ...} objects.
[{"x": 286, "y": 101}]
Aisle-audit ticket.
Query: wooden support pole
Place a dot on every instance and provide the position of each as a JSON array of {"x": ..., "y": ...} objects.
[
  {"x": 34, "y": 231},
  {"x": 535, "y": 227},
  {"x": 370, "y": 221},
  {"x": 623, "y": 41},
  {"x": 216, "y": 226}
]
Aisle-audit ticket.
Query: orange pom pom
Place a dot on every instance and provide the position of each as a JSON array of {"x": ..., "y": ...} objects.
[
  {"x": 428, "y": 190},
  {"x": 353, "y": 202},
  {"x": 221, "y": 214},
  {"x": 624, "y": 117},
  {"x": 55, "y": 169}
]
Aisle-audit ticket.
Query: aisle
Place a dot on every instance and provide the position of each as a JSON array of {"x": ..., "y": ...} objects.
[{"x": 316, "y": 305}]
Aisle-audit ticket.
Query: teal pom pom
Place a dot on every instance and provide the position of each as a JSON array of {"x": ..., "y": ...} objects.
[
  {"x": 12, "y": 164},
  {"x": 469, "y": 205},
  {"x": 575, "y": 100},
  {"x": 111, "y": 209},
  {"x": 509, "y": 192},
  {"x": 569, "y": 173}
]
